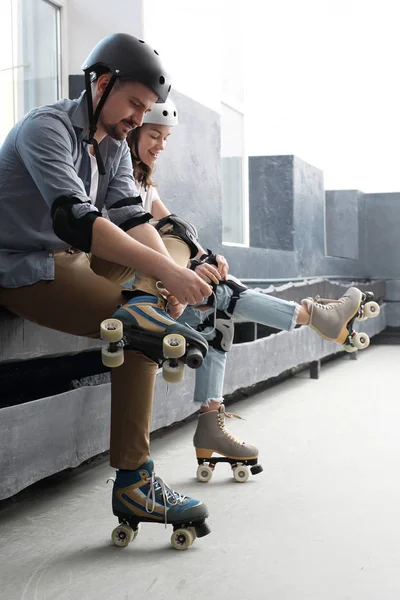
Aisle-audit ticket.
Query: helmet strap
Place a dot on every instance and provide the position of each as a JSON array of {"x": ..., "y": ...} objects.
[{"x": 94, "y": 116}]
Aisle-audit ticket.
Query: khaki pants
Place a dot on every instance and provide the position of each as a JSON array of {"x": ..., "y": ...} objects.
[{"x": 84, "y": 292}]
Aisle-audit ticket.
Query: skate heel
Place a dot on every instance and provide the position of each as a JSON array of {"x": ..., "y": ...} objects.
[{"x": 203, "y": 453}]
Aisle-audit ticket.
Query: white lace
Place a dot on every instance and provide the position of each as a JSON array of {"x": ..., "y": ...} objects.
[
  {"x": 169, "y": 495},
  {"x": 328, "y": 304},
  {"x": 221, "y": 422}
]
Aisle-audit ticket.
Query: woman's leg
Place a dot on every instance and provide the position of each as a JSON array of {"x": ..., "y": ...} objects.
[{"x": 210, "y": 376}]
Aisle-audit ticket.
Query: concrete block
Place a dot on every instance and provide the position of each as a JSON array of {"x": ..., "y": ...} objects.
[
  {"x": 342, "y": 223},
  {"x": 271, "y": 202}
]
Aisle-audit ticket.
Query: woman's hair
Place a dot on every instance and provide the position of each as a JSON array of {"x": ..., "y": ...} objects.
[{"x": 141, "y": 172}]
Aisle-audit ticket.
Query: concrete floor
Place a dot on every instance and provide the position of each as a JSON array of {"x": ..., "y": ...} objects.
[{"x": 321, "y": 523}]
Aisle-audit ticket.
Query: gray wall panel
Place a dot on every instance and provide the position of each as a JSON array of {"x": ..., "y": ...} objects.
[{"x": 342, "y": 223}]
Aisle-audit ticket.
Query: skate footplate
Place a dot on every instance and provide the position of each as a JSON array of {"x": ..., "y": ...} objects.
[
  {"x": 368, "y": 309},
  {"x": 183, "y": 536},
  {"x": 240, "y": 469},
  {"x": 170, "y": 351}
]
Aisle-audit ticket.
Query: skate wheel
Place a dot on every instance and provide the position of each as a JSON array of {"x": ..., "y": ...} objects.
[
  {"x": 173, "y": 373},
  {"x": 241, "y": 474},
  {"x": 362, "y": 318},
  {"x": 174, "y": 345},
  {"x": 111, "y": 330},
  {"x": 361, "y": 341},
  {"x": 349, "y": 349},
  {"x": 193, "y": 532},
  {"x": 204, "y": 473},
  {"x": 123, "y": 535},
  {"x": 136, "y": 532},
  {"x": 112, "y": 359},
  {"x": 371, "y": 309},
  {"x": 181, "y": 539}
]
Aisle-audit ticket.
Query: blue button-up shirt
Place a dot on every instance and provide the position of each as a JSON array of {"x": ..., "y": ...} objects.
[{"x": 44, "y": 157}]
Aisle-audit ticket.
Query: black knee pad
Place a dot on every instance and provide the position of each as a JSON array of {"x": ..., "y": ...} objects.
[{"x": 174, "y": 225}]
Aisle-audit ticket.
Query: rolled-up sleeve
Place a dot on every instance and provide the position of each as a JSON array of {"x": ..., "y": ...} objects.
[
  {"x": 45, "y": 146},
  {"x": 124, "y": 205}
]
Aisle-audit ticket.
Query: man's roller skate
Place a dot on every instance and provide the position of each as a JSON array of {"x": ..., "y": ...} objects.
[
  {"x": 143, "y": 324},
  {"x": 212, "y": 437},
  {"x": 140, "y": 496},
  {"x": 334, "y": 319}
]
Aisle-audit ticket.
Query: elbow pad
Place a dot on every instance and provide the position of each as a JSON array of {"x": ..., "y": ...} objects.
[
  {"x": 174, "y": 225},
  {"x": 74, "y": 231}
]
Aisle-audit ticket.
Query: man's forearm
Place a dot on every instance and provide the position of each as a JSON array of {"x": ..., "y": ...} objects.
[
  {"x": 111, "y": 243},
  {"x": 146, "y": 234}
]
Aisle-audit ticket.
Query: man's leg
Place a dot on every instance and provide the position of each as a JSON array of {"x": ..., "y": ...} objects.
[{"x": 76, "y": 302}]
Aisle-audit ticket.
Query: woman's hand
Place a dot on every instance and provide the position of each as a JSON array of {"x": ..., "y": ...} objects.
[
  {"x": 223, "y": 266},
  {"x": 208, "y": 273}
]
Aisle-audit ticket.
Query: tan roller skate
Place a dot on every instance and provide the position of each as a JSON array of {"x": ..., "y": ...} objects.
[
  {"x": 212, "y": 437},
  {"x": 334, "y": 319}
]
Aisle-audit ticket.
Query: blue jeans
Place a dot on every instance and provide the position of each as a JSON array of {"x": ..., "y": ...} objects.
[{"x": 251, "y": 306}]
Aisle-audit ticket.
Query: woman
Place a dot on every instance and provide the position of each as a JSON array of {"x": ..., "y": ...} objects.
[{"x": 230, "y": 300}]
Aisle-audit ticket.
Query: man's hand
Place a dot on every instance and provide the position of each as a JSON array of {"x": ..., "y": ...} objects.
[
  {"x": 185, "y": 285},
  {"x": 208, "y": 273},
  {"x": 223, "y": 266}
]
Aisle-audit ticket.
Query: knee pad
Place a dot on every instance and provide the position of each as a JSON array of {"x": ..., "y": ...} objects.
[
  {"x": 76, "y": 231},
  {"x": 224, "y": 327},
  {"x": 178, "y": 227}
]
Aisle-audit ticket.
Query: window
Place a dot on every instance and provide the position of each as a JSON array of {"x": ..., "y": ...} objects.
[
  {"x": 234, "y": 198},
  {"x": 235, "y": 218},
  {"x": 29, "y": 58}
]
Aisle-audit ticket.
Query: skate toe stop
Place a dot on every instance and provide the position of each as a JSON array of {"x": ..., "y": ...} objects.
[{"x": 256, "y": 469}]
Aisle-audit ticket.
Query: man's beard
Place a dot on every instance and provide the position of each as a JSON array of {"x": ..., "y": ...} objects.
[{"x": 113, "y": 131}]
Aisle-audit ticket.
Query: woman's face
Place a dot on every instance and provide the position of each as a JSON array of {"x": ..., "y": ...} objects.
[{"x": 152, "y": 141}]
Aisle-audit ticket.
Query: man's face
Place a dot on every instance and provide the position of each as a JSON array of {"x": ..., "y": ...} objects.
[{"x": 125, "y": 107}]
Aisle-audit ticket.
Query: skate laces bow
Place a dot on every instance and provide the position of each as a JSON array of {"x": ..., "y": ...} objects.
[{"x": 169, "y": 496}]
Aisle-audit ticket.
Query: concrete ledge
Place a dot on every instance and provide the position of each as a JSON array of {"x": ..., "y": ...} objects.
[
  {"x": 393, "y": 314},
  {"x": 23, "y": 340},
  {"x": 393, "y": 290},
  {"x": 40, "y": 438}
]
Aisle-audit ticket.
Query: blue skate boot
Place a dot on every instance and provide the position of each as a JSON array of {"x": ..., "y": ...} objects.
[
  {"x": 143, "y": 324},
  {"x": 141, "y": 496}
]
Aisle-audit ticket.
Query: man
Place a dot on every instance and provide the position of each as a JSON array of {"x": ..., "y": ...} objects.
[{"x": 62, "y": 262}]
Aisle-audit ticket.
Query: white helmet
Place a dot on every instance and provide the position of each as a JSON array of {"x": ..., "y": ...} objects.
[{"x": 162, "y": 114}]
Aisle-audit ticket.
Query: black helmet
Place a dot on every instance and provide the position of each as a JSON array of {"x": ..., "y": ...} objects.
[{"x": 124, "y": 56}]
